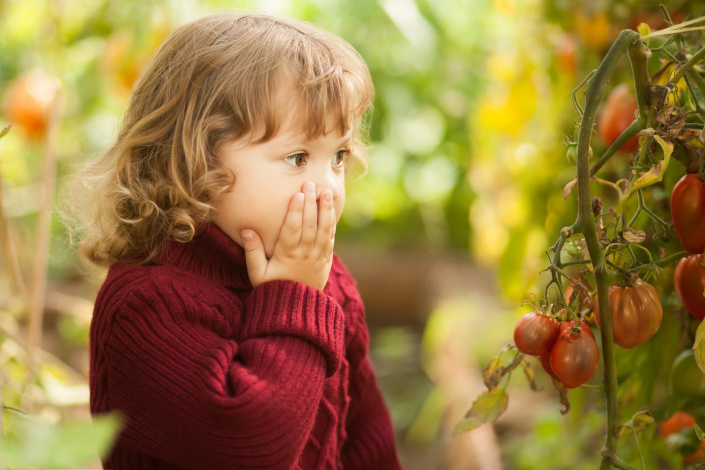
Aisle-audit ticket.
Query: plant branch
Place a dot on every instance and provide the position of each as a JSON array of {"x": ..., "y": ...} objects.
[
  {"x": 585, "y": 222},
  {"x": 688, "y": 65},
  {"x": 628, "y": 133}
]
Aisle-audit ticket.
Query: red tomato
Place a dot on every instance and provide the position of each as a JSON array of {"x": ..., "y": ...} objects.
[
  {"x": 675, "y": 423},
  {"x": 689, "y": 281},
  {"x": 617, "y": 115},
  {"x": 534, "y": 334},
  {"x": 688, "y": 212},
  {"x": 28, "y": 100},
  {"x": 546, "y": 364},
  {"x": 565, "y": 54},
  {"x": 574, "y": 357},
  {"x": 636, "y": 313}
]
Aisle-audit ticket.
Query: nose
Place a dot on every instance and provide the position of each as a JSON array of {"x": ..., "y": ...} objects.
[{"x": 327, "y": 181}]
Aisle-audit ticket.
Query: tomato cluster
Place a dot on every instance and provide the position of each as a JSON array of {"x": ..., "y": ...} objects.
[{"x": 567, "y": 353}]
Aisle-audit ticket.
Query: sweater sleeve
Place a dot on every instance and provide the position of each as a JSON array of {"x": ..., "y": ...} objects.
[
  {"x": 370, "y": 442},
  {"x": 194, "y": 396},
  {"x": 370, "y": 436}
]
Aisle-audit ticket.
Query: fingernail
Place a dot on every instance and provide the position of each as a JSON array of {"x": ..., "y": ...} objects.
[
  {"x": 246, "y": 235},
  {"x": 310, "y": 187},
  {"x": 328, "y": 196}
]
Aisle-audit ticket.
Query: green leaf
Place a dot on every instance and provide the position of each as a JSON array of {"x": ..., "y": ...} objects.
[
  {"x": 699, "y": 346},
  {"x": 76, "y": 443},
  {"x": 5, "y": 131},
  {"x": 640, "y": 421},
  {"x": 68, "y": 445},
  {"x": 488, "y": 407},
  {"x": 699, "y": 432}
]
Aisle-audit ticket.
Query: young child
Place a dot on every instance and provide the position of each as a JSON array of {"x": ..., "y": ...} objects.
[{"x": 227, "y": 334}]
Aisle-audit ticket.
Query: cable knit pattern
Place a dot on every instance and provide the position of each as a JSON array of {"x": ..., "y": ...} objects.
[{"x": 209, "y": 373}]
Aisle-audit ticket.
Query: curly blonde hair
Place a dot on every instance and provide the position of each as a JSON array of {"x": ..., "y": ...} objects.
[{"x": 212, "y": 81}]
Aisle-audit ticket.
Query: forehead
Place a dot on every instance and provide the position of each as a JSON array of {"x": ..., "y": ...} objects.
[{"x": 293, "y": 113}]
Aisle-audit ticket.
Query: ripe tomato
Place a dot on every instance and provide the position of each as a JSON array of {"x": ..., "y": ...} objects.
[
  {"x": 688, "y": 212},
  {"x": 675, "y": 423},
  {"x": 546, "y": 364},
  {"x": 636, "y": 313},
  {"x": 685, "y": 377},
  {"x": 534, "y": 334},
  {"x": 565, "y": 54},
  {"x": 574, "y": 357},
  {"x": 28, "y": 100},
  {"x": 618, "y": 113},
  {"x": 689, "y": 281}
]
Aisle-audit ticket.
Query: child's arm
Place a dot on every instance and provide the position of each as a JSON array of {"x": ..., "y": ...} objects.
[
  {"x": 370, "y": 443},
  {"x": 195, "y": 397}
]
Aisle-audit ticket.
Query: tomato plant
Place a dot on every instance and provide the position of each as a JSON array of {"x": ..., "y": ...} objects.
[
  {"x": 574, "y": 356},
  {"x": 636, "y": 313},
  {"x": 689, "y": 282},
  {"x": 617, "y": 115},
  {"x": 616, "y": 257},
  {"x": 534, "y": 334},
  {"x": 688, "y": 212}
]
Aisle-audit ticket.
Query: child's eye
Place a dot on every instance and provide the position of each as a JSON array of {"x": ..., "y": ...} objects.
[
  {"x": 298, "y": 160},
  {"x": 339, "y": 158}
]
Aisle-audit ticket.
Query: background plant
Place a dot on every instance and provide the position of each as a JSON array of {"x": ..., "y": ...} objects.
[{"x": 617, "y": 245}]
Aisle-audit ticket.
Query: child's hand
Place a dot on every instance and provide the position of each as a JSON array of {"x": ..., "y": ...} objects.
[{"x": 304, "y": 251}]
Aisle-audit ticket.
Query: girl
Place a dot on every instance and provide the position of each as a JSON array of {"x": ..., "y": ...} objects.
[{"x": 227, "y": 334}]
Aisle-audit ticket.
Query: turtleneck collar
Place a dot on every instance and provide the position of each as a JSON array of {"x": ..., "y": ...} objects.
[{"x": 211, "y": 254}]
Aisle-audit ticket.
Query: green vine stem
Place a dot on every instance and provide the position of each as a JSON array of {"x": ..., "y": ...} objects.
[
  {"x": 688, "y": 65},
  {"x": 585, "y": 223},
  {"x": 628, "y": 133}
]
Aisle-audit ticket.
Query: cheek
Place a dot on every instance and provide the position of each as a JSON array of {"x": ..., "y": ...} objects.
[{"x": 339, "y": 204}]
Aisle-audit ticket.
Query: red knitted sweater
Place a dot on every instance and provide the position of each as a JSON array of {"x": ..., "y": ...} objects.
[{"x": 210, "y": 373}]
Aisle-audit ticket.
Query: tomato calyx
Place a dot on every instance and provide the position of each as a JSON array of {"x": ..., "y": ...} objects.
[{"x": 631, "y": 278}]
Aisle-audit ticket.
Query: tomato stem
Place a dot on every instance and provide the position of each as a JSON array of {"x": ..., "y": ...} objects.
[
  {"x": 628, "y": 133},
  {"x": 695, "y": 58},
  {"x": 585, "y": 224}
]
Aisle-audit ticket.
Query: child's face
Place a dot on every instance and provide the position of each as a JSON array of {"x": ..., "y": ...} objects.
[{"x": 269, "y": 174}]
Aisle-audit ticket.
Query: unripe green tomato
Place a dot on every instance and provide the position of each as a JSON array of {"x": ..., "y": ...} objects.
[
  {"x": 572, "y": 249},
  {"x": 686, "y": 378},
  {"x": 572, "y": 154}
]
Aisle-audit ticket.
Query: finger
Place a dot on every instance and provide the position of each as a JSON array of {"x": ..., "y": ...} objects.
[
  {"x": 326, "y": 219},
  {"x": 330, "y": 242},
  {"x": 255, "y": 257},
  {"x": 290, "y": 234},
  {"x": 310, "y": 220}
]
